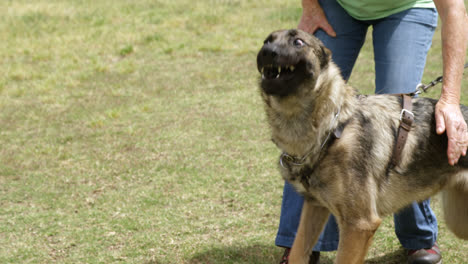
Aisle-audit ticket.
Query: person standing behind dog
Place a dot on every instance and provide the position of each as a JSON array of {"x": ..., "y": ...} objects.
[{"x": 402, "y": 36}]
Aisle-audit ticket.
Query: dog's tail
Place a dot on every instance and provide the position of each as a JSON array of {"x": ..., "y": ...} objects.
[{"x": 455, "y": 203}]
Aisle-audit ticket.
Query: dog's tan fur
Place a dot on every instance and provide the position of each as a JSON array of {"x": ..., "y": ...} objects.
[{"x": 351, "y": 177}]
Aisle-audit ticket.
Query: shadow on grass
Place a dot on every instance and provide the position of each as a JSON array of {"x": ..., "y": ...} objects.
[
  {"x": 256, "y": 254},
  {"x": 395, "y": 257},
  {"x": 263, "y": 254}
]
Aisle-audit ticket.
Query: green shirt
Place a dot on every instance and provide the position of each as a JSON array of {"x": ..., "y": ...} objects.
[{"x": 375, "y": 9}]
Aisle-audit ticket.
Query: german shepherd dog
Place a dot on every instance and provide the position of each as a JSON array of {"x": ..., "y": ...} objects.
[{"x": 308, "y": 105}]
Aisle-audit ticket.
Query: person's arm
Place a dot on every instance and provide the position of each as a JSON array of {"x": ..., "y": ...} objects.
[
  {"x": 313, "y": 18},
  {"x": 454, "y": 42}
]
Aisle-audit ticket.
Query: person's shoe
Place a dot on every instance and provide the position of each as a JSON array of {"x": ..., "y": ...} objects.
[
  {"x": 425, "y": 256},
  {"x": 314, "y": 257}
]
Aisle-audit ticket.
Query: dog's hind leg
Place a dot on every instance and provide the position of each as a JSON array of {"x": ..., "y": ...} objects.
[
  {"x": 455, "y": 203},
  {"x": 355, "y": 241},
  {"x": 313, "y": 219}
]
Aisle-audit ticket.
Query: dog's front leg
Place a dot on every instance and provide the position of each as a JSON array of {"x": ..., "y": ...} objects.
[
  {"x": 313, "y": 219},
  {"x": 355, "y": 241}
]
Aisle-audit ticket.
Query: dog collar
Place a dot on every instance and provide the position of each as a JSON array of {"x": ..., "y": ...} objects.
[{"x": 291, "y": 160}]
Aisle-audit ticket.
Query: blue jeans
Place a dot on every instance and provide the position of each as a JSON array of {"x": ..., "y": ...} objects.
[{"x": 401, "y": 42}]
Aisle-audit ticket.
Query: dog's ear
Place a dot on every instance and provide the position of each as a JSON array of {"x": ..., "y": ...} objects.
[{"x": 324, "y": 57}]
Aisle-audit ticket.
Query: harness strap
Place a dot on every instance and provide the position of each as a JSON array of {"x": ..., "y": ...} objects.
[{"x": 406, "y": 120}]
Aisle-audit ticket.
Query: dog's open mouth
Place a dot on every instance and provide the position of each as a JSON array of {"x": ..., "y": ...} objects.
[
  {"x": 277, "y": 72},
  {"x": 282, "y": 79}
]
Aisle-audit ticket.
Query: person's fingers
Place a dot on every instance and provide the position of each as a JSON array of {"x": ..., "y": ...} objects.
[
  {"x": 450, "y": 120},
  {"x": 455, "y": 127},
  {"x": 464, "y": 143},
  {"x": 306, "y": 24},
  {"x": 451, "y": 152},
  {"x": 314, "y": 19},
  {"x": 440, "y": 122},
  {"x": 328, "y": 29}
]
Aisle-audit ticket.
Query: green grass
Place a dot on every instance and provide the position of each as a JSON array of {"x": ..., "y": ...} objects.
[{"x": 132, "y": 132}]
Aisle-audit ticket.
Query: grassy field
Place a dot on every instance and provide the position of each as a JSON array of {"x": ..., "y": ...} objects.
[{"x": 132, "y": 132}]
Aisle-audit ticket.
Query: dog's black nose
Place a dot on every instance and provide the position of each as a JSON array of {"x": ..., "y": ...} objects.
[
  {"x": 267, "y": 56},
  {"x": 268, "y": 51}
]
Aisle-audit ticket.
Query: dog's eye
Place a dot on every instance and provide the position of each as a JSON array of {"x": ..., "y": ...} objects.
[{"x": 298, "y": 42}]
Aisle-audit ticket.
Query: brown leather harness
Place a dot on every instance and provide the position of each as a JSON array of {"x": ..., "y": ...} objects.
[{"x": 406, "y": 121}]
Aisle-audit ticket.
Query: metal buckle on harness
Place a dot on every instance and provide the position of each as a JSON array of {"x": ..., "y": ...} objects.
[{"x": 403, "y": 111}]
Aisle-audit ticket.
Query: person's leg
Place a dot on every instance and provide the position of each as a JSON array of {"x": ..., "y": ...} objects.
[
  {"x": 289, "y": 221},
  {"x": 291, "y": 207},
  {"x": 416, "y": 226},
  {"x": 345, "y": 50},
  {"x": 350, "y": 36},
  {"x": 401, "y": 43}
]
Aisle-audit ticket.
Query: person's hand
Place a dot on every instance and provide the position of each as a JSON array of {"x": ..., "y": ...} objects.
[
  {"x": 450, "y": 119},
  {"x": 314, "y": 18}
]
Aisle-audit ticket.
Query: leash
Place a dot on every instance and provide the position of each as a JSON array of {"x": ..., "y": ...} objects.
[{"x": 423, "y": 87}]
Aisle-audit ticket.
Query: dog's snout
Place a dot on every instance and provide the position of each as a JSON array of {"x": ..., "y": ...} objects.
[
  {"x": 268, "y": 55},
  {"x": 269, "y": 52}
]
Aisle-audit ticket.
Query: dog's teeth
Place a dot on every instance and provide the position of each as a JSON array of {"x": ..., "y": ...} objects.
[
  {"x": 279, "y": 69},
  {"x": 277, "y": 76},
  {"x": 291, "y": 68},
  {"x": 263, "y": 76}
]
